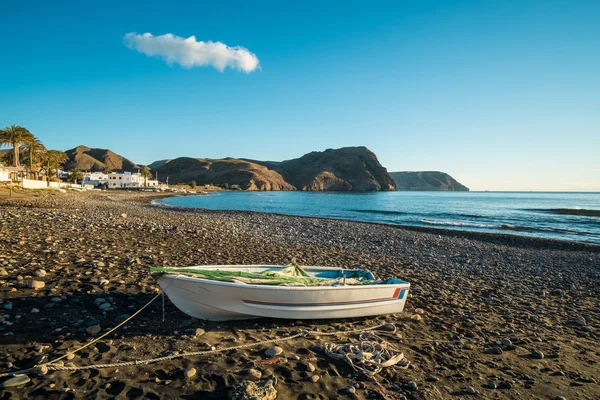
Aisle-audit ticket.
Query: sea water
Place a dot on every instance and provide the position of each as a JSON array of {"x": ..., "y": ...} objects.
[{"x": 550, "y": 215}]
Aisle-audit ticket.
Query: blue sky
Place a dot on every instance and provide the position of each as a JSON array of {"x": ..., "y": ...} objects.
[{"x": 503, "y": 95}]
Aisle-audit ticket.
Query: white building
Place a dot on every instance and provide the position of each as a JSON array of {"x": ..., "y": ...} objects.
[
  {"x": 8, "y": 174},
  {"x": 128, "y": 180},
  {"x": 95, "y": 178},
  {"x": 4, "y": 175}
]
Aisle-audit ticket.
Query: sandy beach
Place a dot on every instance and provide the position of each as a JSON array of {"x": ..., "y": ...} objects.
[{"x": 488, "y": 316}]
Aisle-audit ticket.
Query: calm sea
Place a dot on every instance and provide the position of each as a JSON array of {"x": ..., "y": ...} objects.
[{"x": 550, "y": 215}]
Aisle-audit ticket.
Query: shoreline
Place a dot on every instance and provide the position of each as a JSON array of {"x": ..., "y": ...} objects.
[
  {"x": 478, "y": 310},
  {"x": 509, "y": 238}
]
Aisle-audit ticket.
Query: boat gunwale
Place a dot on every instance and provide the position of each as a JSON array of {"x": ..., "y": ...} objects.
[{"x": 403, "y": 284}]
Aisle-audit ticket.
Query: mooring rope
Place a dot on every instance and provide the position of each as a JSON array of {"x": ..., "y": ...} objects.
[
  {"x": 50, "y": 366},
  {"x": 385, "y": 353}
]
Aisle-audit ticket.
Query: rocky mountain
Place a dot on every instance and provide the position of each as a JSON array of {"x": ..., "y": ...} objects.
[
  {"x": 345, "y": 169},
  {"x": 247, "y": 175},
  {"x": 88, "y": 159},
  {"x": 426, "y": 180}
]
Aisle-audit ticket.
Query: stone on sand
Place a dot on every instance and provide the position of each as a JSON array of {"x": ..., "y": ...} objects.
[
  {"x": 36, "y": 284},
  {"x": 254, "y": 373},
  {"x": 538, "y": 355},
  {"x": 16, "y": 380},
  {"x": 189, "y": 373},
  {"x": 93, "y": 329},
  {"x": 273, "y": 351}
]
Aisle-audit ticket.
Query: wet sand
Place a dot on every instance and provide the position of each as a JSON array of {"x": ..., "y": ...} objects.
[{"x": 525, "y": 311}]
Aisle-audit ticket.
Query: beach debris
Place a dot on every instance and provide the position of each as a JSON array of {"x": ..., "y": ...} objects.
[
  {"x": 273, "y": 351},
  {"x": 272, "y": 361},
  {"x": 247, "y": 390},
  {"x": 369, "y": 356}
]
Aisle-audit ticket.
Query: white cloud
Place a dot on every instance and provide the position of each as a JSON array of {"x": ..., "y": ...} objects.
[{"x": 191, "y": 53}]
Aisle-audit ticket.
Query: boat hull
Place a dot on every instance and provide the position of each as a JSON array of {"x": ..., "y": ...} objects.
[{"x": 214, "y": 300}]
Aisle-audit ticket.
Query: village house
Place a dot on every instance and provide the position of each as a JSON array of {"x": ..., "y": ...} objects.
[
  {"x": 129, "y": 180},
  {"x": 8, "y": 174},
  {"x": 95, "y": 178}
]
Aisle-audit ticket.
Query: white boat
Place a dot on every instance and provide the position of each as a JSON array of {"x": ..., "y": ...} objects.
[{"x": 216, "y": 300}]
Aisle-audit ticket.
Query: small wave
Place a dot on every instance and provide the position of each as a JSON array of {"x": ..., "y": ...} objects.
[
  {"x": 567, "y": 211},
  {"x": 532, "y": 229},
  {"x": 456, "y": 223},
  {"x": 384, "y": 212},
  {"x": 438, "y": 215}
]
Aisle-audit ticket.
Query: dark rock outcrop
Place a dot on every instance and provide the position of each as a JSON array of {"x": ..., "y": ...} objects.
[
  {"x": 427, "y": 180},
  {"x": 348, "y": 168}
]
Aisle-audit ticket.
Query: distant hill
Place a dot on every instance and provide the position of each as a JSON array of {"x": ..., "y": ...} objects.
[
  {"x": 88, "y": 159},
  {"x": 426, "y": 180},
  {"x": 233, "y": 171},
  {"x": 345, "y": 169},
  {"x": 157, "y": 164}
]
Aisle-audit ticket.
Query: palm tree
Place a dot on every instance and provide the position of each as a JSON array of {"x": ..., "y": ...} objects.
[
  {"x": 14, "y": 135},
  {"x": 75, "y": 175},
  {"x": 52, "y": 161},
  {"x": 146, "y": 174},
  {"x": 35, "y": 150}
]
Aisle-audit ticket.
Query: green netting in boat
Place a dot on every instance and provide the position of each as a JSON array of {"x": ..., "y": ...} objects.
[{"x": 292, "y": 275}]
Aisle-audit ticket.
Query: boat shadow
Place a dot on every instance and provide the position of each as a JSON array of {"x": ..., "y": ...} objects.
[{"x": 46, "y": 319}]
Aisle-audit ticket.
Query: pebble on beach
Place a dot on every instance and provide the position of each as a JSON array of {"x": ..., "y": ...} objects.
[
  {"x": 189, "y": 372},
  {"x": 17, "y": 380},
  {"x": 273, "y": 351},
  {"x": 93, "y": 330}
]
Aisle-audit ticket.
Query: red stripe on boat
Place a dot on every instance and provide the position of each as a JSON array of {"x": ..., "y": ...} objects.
[{"x": 394, "y": 297}]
